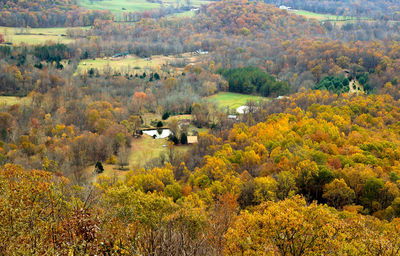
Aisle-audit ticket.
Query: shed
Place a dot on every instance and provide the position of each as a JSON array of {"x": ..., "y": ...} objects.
[{"x": 192, "y": 139}]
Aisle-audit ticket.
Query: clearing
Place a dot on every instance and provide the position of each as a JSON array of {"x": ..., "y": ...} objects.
[
  {"x": 233, "y": 100},
  {"x": 143, "y": 150},
  {"x": 355, "y": 87},
  {"x": 121, "y": 6},
  {"x": 34, "y": 36},
  {"x": 132, "y": 64},
  {"x": 325, "y": 17},
  {"x": 11, "y": 100}
]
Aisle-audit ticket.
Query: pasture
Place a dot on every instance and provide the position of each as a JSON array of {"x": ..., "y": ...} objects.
[
  {"x": 11, "y": 100},
  {"x": 34, "y": 36},
  {"x": 120, "y": 6},
  {"x": 233, "y": 100},
  {"x": 324, "y": 17},
  {"x": 187, "y": 14},
  {"x": 132, "y": 64},
  {"x": 143, "y": 150}
]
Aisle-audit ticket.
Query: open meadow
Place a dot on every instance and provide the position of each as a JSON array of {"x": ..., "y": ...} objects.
[
  {"x": 120, "y": 6},
  {"x": 35, "y": 36},
  {"x": 132, "y": 64},
  {"x": 325, "y": 17},
  {"x": 233, "y": 100},
  {"x": 11, "y": 100},
  {"x": 142, "y": 150}
]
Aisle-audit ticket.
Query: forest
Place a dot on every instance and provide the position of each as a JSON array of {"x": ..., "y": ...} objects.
[{"x": 308, "y": 165}]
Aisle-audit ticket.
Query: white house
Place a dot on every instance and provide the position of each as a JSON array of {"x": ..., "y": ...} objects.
[{"x": 284, "y": 7}]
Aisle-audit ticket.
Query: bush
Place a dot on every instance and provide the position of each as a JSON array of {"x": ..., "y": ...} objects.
[
  {"x": 174, "y": 139},
  {"x": 184, "y": 139},
  {"x": 99, "y": 167},
  {"x": 165, "y": 116}
]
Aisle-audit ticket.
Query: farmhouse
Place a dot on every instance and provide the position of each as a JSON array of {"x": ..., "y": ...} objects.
[
  {"x": 200, "y": 52},
  {"x": 284, "y": 7}
]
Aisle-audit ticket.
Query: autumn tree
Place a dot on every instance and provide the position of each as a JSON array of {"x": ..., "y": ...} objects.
[
  {"x": 288, "y": 227},
  {"x": 338, "y": 194}
]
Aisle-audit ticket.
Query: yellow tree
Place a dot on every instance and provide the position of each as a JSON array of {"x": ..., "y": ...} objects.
[
  {"x": 289, "y": 227},
  {"x": 338, "y": 193}
]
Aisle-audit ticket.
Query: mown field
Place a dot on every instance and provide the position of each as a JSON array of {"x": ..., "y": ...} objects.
[
  {"x": 143, "y": 150},
  {"x": 232, "y": 100},
  {"x": 133, "y": 64},
  {"x": 120, "y": 6},
  {"x": 35, "y": 35},
  {"x": 11, "y": 100},
  {"x": 183, "y": 14},
  {"x": 324, "y": 17}
]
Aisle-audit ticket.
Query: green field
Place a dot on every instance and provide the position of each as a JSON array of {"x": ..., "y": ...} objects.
[
  {"x": 233, "y": 100},
  {"x": 35, "y": 35},
  {"x": 143, "y": 150},
  {"x": 121, "y": 6},
  {"x": 11, "y": 100},
  {"x": 324, "y": 17},
  {"x": 183, "y": 14}
]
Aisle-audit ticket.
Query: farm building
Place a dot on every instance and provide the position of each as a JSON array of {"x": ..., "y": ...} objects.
[
  {"x": 120, "y": 55},
  {"x": 192, "y": 139}
]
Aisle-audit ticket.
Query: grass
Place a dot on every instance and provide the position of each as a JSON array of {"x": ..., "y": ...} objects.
[
  {"x": 34, "y": 36},
  {"x": 131, "y": 64},
  {"x": 188, "y": 14},
  {"x": 232, "y": 100},
  {"x": 120, "y": 6},
  {"x": 324, "y": 17},
  {"x": 127, "y": 64},
  {"x": 143, "y": 150},
  {"x": 11, "y": 100}
]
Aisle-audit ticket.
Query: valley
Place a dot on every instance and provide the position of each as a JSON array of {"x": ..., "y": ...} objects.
[{"x": 229, "y": 127}]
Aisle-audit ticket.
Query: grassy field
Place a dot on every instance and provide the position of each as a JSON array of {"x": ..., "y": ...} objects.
[
  {"x": 11, "y": 100},
  {"x": 183, "y": 14},
  {"x": 35, "y": 36},
  {"x": 132, "y": 64},
  {"x": 324, "y": 17},
  {"x": 120, "y": 6},
  {"x": 233, "y": 100},
  {"x": 143, "y": 150}
]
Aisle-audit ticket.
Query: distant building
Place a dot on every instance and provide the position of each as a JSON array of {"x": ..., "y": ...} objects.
[
  {"x": 233, "y": 117},
  {"x": 284, "y": 7},
  {"x": 346, "y": 72},
  {"x": 282, "y": 97},
  {"x": 192, "y": 139},
  {"x": 243, "y": 109},
  {"x": 200, "y": 52},
  {"x": 120, "y": 55}
]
